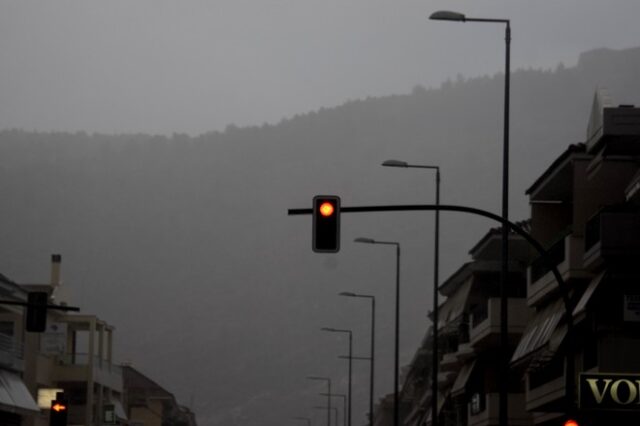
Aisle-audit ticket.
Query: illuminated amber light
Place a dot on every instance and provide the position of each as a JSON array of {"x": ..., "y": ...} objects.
[
  {"x": 571, "y": 423},
  {"x": 59, "y": 407},
  {"x": 326, "y": 209}
]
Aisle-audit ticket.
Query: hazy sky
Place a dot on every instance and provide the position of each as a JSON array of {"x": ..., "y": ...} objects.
[{"x": 191, "y": 66}]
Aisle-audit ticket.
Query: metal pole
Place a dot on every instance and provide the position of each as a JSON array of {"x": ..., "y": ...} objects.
[
  {"x": 504, "y": 296},
  {"x": 350, "y": 362},
  {"x": 373, "y": 337},
  {"x": 307, "y": 419},
  {"x": 434, "y": 365},
  {"x": 329, "y": 404},
  {"x": 396, "y": 399}
]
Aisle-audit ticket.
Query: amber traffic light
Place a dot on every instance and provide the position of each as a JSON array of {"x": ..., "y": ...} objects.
[
  {"x": 58, "y": 413},
  {"x": 571, "y": 422},
  {"x": 326, "y": 224}
]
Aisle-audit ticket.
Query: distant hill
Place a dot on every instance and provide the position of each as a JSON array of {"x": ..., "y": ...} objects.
[{"x": 183, "y": 243}]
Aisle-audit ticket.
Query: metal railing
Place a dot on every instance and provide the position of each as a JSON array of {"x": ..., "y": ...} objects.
[
  {"x": 82, "y": 359},
  {"x": 10, "y": 346}
]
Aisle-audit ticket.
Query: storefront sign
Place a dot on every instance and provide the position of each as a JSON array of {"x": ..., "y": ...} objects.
[{"x": 609, "y": 391}]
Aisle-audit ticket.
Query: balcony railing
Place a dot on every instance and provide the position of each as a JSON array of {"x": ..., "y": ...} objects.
[
  {"x": 82, "y": 359},
  {"x": 9, "y": 345},
  {"x": 616, "y": 231}
]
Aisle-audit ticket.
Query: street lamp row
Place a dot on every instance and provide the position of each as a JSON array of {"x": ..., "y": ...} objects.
[{"x": 503, "y": 414}]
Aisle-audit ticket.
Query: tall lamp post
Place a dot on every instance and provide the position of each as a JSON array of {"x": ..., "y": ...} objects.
[
  {"x": 373, "y": 345},
  {"x": 307, "y": 419},
  {"x": 504, "y": 342},
  {"x": 336, "y": 330},
  {"x": 328, "y": 380},
  {"x": 344, "y": 405},
  {"x": 396, "y": 399},
  {"x": 335, "y": 412},
  {"x": 436, "y": 264}
]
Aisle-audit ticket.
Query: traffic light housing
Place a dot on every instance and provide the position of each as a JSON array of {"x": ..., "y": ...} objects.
[
  {"x": 37, "y": 311},
  {"x": 326, "y": 224},
  {"x": 571, "y": 422},
  {"x": 58, "y": 412}
]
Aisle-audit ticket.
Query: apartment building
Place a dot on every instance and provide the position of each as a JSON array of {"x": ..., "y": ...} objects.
[
  {"x": 585, "y": 209},
  {"x": 74, "y": 355},
  {"x": 17, "y": 403}
]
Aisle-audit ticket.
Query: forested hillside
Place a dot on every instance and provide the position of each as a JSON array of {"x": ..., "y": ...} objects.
[{"x": 187, "y": 236}]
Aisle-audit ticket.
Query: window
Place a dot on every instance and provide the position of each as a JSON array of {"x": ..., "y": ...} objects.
[{"x": 477, "y": 403}]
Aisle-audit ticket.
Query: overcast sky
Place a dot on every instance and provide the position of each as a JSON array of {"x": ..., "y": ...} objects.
[{"x": 165, "y": 66}]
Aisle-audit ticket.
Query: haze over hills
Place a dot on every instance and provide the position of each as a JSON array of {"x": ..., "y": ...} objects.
[{"x": 183, "y": 243}]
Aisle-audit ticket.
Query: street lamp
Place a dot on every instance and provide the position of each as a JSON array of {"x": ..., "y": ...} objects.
[
  {"x": 373, "y": 339},
  {"x": 344, "y": 405},
  {"x": 336, "y": 330},
  {"x": 504, "y": 342},
  {"x": 335, "y": 412},
  {"x": 396, "y": 401},
  {"x": 307, "y": 419},
  {"x": 328, "y": 380},
  {"x": 436, "y": 264}
]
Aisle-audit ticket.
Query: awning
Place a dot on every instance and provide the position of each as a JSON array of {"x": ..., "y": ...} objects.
[
  {"x": 463, "y": 378},
  {"x": 453, "y": 307},
  {"x": 539, "y": 330},
  {"x": 588, "y": 293},
  {"x": 14, "y": 395},
  {"x": 119, "y": 410},
  {"x": 441, "y": 400}
]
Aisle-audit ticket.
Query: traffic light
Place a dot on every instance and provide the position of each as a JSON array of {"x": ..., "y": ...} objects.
[
  {"x": 37, "y": 311},
  {"x": 571, "y": 422},
  {"x": 58, "y": 412},
  {"x": 326, "y": 224}
]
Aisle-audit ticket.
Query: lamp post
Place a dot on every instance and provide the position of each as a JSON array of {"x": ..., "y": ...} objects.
[
  {"x": 336, "y": 330},
  {"x": 373, "y": 345},
  {"x": 328, "y": 380},
  {"x": 396, "y": 399},
  {"x": 504, "y": 343},
  {"x": 307, "y": 419},
  {"x": 436, "y": 265},
  {"x": 344, "y": 405},
  {"x": 335, "y": 412}
]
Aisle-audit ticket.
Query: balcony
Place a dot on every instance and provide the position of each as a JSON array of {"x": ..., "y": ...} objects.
[
  {"x": 518, "y": 415},
  {"x": 546, "y": 386},
  {"x": 485, "y": 321},
  {"x": 611, "y": 235},
  {"x": 81, "y": 367},
  {"x": 11, "y": 353},
  {"x": 567, "y": 254}
]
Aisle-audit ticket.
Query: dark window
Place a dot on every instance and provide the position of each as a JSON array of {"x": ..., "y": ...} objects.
[
  {"x": 551, "y": 371},
  {"x": 477, "y": 403}
]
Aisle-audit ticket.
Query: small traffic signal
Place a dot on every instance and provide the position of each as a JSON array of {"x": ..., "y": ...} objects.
[
  {"x": 37, "y": 311},
  {"x": 58, "y": 413},
  {"x": 571, "y": 422},
  {"x": 326, "y": 224}
]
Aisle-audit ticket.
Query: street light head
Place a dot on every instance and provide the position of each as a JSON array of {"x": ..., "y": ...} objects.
[
  {"x": 364, "y": 240},
  {"x": 328, "y": 329},
  {"x": 347, "y": 293},
  {"x": 446, "y": 15},
  {"x": 394, "y": 163}
]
